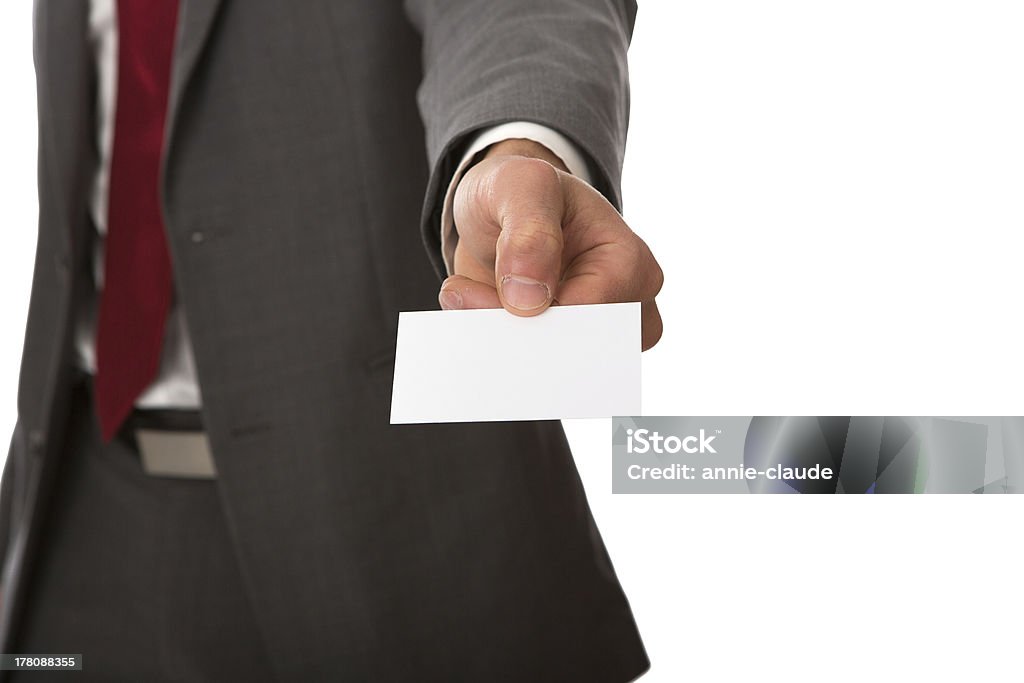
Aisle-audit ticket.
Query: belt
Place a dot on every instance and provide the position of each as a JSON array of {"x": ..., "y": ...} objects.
[{"x": 170, "y": 442}]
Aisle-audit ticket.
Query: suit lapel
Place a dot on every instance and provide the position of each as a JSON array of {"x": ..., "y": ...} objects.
[{"x": 195, "y": 21}]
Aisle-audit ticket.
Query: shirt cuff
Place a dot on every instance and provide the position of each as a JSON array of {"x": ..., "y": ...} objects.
[{"x": 558, "y": 144}]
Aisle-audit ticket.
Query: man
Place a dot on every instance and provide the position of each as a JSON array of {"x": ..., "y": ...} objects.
[{"x": 202, "y": 483}]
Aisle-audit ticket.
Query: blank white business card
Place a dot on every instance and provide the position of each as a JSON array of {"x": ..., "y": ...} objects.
[{"x": 490, "y": 365}]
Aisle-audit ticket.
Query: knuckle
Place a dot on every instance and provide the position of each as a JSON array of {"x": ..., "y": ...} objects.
[
  {"x": 649, "y": 271},
  {"x": 631, "y": 275},
  {"x": 532, "y": 236},
  {"x": 657, "y": 277}
]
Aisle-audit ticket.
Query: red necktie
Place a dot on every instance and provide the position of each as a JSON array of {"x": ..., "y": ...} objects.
[{"x": 137, "y": 281}]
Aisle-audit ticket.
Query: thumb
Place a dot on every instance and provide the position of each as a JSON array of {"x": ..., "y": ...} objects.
[{"x": 528, "y": 253}]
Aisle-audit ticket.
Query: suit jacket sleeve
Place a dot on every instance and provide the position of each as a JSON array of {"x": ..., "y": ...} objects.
[{"x": 559, "y": 63}]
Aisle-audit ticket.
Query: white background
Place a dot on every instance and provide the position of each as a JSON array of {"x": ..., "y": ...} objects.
[{"x": 836, "y": 193}]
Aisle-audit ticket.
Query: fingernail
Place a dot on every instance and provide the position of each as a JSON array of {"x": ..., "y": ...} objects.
[
  {"x": 524, "y": 293},
  {"x": 450, "y": 299}
]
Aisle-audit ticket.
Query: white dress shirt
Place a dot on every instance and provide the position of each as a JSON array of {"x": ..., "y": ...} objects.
[{"x": 176, "y": 384}]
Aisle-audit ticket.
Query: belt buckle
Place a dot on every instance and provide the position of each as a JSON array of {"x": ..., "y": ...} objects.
[{"x": 178, "y": 454}]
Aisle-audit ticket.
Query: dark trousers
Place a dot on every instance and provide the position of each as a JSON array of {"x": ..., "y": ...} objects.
[{"x": 136, "y": 573}]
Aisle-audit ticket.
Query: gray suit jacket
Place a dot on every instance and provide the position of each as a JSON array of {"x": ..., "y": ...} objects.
[{"x": 301, "y": 141}]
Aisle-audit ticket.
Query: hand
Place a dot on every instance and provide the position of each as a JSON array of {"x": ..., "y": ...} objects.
[{"x": 531, "y": 234}]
